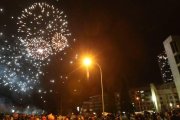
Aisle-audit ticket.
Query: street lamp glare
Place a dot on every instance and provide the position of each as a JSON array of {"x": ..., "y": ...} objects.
[{"x": 87, "y": 61}]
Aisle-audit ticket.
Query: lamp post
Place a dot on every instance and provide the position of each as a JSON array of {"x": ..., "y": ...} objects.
[
  {"x": 87, "y": 62},
  {"x": 138, "y": 99}
]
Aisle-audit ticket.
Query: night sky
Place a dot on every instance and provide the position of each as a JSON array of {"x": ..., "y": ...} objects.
[{"x": 124, "y": 36}]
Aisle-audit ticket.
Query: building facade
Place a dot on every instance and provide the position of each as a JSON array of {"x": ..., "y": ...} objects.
[
  {"x": 94, "y": 104},
  {"x": 141, "y": 99},
  {"x": 164, "y": 66},
  {"x": 157, "y": 98},
  {"x": 168, "y": 96},
  {"x": 172, "y": 48}
]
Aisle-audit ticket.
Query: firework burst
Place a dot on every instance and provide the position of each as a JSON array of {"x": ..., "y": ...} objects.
[
  {"x": 38, "y": 48},
  {"x": 43, "y": 30},
  {"x": 59, "y": 42}
]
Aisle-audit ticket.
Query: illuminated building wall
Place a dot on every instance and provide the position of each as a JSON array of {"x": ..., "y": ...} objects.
[
  {"x": 155, "y": 98},
  {"x": 172, "y": 48}
]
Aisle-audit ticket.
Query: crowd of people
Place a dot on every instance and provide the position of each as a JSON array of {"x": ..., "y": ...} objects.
[
  {"x": 172, "y": 115},
  {"x": 168, "y": 115}
]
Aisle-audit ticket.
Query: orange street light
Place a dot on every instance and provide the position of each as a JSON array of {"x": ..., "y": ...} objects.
[{"x": 87, "y": 61}]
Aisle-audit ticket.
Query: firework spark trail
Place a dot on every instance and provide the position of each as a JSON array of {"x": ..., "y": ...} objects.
[{"x": 16, "y": 71}]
